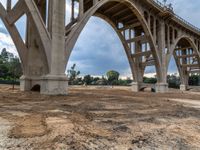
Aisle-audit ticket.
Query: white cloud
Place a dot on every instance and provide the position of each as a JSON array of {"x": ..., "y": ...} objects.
[{"x": 6, "y": 42}]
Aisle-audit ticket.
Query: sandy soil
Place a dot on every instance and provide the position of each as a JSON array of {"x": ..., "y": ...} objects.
[{"x": 99, "y": 119}]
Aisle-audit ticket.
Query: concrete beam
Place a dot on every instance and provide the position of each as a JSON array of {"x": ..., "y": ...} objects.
[
  {"x": 16, "y": 12},
  {"x": 142, "y": 39},
  {"x": 139, "y": 54}
]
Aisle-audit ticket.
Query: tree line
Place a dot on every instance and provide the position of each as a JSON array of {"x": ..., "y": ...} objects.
[
  {"x": 112, "y": 78},
  {"x": 10, "y": 68},
  {"x": 11, "y": 71}
]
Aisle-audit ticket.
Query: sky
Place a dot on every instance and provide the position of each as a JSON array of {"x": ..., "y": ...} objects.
[{"x": 95, "y": 53}]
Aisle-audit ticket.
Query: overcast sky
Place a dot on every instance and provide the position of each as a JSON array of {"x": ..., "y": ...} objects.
[{"x": 98, "y": 48}]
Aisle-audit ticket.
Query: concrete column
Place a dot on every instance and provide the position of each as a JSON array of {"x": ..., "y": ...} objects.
[
  {"x": 162, "y": 85},
  {"x": 95, "y": 1},
  {"x": 183, "y": 87},
  {"x": 36, "y": 65},
  {"x": 72, "y": 11},
  {"x": 81, "y": 8},
  {"x": 154, "y": 29},
  {"x": 135, "y": 86},
  {"x": 55, "y": 83},
  {"x": 9, "y": 3},
  {"x": 168, "y": 38},
  {"x": 138, "y": 72}
]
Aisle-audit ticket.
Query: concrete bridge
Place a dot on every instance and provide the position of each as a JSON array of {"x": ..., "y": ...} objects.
[{"x": 150, "y": 32}]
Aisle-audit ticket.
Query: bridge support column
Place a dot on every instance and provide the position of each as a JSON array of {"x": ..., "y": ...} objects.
[
  {"x": 183, "y": 87},
  {"x": 25, "y": 84},
  {"x": 55, "y": 83},
  {"x": 136, "y": 86},
  {"x": 184, "y": 80},
  {"x": 161, "y": 88},
  {"x": 162, "y": 85}
]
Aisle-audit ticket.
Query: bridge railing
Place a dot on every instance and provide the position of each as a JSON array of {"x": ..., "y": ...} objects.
[
  {"x": 170, "y": 8},
  {"x": 187, "y": 23}
]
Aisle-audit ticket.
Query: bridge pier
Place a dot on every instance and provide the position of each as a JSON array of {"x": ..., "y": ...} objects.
[
  {"x": 135, "y": 86},
  {"x": 161, "y": 88},
  {"x": 56, "y": 82},
  {"x": 183, "y": 87},
  {"x": 54, "y": 85},
  {"x": 48, "y": 74}
]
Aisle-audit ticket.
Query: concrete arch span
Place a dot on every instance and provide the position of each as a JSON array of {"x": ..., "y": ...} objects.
[
  {"x": 187, "y": 59},
  {"x": 134, "y": 24}
]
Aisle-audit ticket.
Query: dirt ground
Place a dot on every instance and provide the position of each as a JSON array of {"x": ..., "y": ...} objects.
[{"x": 99, "y": 119}]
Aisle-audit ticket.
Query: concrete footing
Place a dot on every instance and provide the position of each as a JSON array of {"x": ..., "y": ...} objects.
[
  {"x": 54, "y": 85},
  {"x": 135, "y": 86},
  {"x": 183, "y": 87},
  {"x": 49, "y": 85},
  {"x": 27, "y": 83},
  {"x": 161, "y": 88}
]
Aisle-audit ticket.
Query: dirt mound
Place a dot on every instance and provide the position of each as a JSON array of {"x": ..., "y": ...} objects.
[{"x": 29, "y": 126}]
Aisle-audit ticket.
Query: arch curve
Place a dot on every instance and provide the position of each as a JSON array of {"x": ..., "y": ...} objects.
[
  {"x": 187, "y": 58},
  {"x": 18, "y": 41},
  {"x": 74, "y": 34},
  {"x": 189, "y": 40}
]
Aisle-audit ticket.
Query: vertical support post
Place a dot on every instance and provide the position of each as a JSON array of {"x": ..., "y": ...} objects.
[
  {"x": 162, "y": 85},
  {"x": 154, "y": 29},
  {"x": 185, "y": 76},
  {"x": 81, "y": 8},
  {"x": 49, "y": 16},
  {"x": 55, "y": 82},
  {"x": 95, "y": 1},
  {"x": 173, "y": 35},
  {"x": 168, "y": 38},
  {"x": 9, "y": 5},
  {"x": 138, "y": 70},
  {"x": 72, "y": 11}
]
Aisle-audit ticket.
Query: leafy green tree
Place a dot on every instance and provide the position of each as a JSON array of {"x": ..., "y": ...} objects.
[
  {"x": 112, "y": 76},
  {"x": 173, "y": 81},
  {"x": 87, "y": 79},
  {"x": 149, "y": 80},
  {"x": 10, "y": 67},
  {"x": 194, "y": 80},
  {"x": 73, "y": 74}
]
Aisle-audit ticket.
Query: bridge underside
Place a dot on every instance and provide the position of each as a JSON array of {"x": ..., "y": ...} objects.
[{"x": 150, "y": 34}]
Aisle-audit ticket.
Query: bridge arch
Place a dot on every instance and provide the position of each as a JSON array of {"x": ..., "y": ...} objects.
[
  {"x": 135, "y": 12},
  {"x": 18, "y": 41},
  {"x": 187, "y": 58}
]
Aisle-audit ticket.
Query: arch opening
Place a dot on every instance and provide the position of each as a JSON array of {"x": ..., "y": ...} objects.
[
  {"x": 36, "y": 88},
  {"x": 186, "y": 57},
  {"x": 96, "y": 54},
  {"x": 132, "y": 30}
]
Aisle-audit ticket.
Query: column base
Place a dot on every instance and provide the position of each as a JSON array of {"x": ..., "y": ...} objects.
[
  {"x": 161, "y": 88},
  {"x": 27, "y": 83},
  {"x": 54, "y": 85},
  {"x": 135, "y": 86},
  {"x": 183, "y": 87}
]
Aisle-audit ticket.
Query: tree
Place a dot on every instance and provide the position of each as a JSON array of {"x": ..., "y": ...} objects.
[
  {"x": 87, "y": 79},
  {"x": 73, "y": 74},
  {"x": 10, "y": 67},
  {"x": 112, "y": 76},
  {"x": 173, "y": 81},
  {"x": 194, "y": 80},
  {"x": 15, "y": 69}
]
